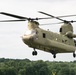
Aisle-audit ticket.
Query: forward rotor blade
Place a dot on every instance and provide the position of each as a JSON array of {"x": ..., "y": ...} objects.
[
  {"x": 12, "y": 15},
  {"x": 19, "y": 17},
  {"x": 12, "y": 20},
  {"x": 51, "y": 16}
]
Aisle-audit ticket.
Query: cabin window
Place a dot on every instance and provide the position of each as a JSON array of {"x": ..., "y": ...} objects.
[
  {"x": 60, "y": 29},
  {"x": 65, "y": 40},
  {"x": 36, "y": 32},
  {"x": 75, "y": 42},
  {"x": 62, "y": 40},
  {"x": 44, "y": 35}
]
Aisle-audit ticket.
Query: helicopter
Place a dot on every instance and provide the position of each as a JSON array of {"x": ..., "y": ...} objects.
[{"x": 45, "y": 40}]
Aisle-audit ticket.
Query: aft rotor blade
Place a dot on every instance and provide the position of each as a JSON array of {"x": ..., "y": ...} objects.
[
  {"x": 51, "y": 23},
  {"x": 71, "y": 21},
  {"x": 11, "y": 20},
  {"x": 57, "y": 16},
  {"x": 56, "y": 23},
  {"x": 19, "y": 17},
  {"x": 12, "y": 15},
  {"x": 51, "y": 16}
]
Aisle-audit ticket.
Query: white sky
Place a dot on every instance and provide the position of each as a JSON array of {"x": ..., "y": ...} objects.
[{"x": 11, "y": 45}]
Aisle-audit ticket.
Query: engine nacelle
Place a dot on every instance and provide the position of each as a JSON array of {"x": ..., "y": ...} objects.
[{"x": 70, "y": 34}]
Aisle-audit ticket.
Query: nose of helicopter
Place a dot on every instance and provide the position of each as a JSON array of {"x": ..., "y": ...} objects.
[{"x": 27, "y": 39}]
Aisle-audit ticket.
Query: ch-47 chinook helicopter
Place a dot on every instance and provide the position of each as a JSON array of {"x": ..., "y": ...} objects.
[{"x": 45, "y": 40}]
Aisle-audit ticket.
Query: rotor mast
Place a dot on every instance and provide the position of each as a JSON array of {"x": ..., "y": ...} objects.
[{"x": 33, "y": 24}]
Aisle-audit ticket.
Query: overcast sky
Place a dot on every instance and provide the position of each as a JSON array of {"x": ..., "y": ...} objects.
[{"x": 11, "y": 45}]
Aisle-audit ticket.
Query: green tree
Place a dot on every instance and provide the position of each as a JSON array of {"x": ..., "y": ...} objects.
[
  {"x": 44, "y": 71},
  {"x": 22, "y": 72},
  {"x": 64, "y": 71},
  {"x": 9, "y": 71},
  {"x": 72, "y": 72},
  {"x": 1, "y": 72}
]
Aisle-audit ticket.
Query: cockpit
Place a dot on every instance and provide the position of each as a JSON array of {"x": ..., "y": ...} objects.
[
  {"x": 30, "y": 32},
  {"x": 30, "y": 35}
]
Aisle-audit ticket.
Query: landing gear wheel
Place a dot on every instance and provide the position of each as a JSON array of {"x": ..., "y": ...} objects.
[
  {"x": 54, "y": 55},
  {"x": 34, "y": 53},
  {"x": 74, "y": 55}
]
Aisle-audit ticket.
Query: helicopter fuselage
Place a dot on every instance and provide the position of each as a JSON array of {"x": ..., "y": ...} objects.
[{"x": 48, "y": 41}]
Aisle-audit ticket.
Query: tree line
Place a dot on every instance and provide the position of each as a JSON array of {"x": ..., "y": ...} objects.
[{"x": 40, "y": 67}]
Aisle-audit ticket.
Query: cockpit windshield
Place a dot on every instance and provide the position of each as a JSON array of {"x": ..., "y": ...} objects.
[{"x": 29, "y": 32}]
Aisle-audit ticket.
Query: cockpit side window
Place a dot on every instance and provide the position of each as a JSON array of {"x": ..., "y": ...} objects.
[
  {"x": 60, "y": 30},
  {"x": 30, "y": 32}
]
